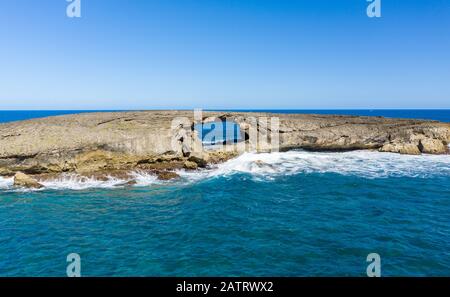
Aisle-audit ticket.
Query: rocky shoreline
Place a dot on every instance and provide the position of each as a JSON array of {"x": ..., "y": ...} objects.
[{"x": 115, "y": 143}]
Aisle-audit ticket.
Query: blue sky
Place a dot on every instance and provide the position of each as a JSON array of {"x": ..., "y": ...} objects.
[{"x": 257, "y": 54}]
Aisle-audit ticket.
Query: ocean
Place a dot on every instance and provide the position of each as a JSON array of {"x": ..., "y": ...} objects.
[
  {"x": 297, "y": 213},
  {"x": 442, "y": 115}
]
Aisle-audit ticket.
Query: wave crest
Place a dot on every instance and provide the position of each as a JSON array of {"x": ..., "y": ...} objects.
[
  {"x": 368, "y": 164},
  {"x": 78, "y": 182},
  {"x": 267, "y": 166}
]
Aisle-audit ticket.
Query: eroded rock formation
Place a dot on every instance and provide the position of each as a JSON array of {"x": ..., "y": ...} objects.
[
  {"x": 152, "y": 140},
  {"x": 24, "y": 181}
]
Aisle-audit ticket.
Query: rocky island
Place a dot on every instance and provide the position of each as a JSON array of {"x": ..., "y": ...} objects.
[{"x": 115, "y": 143}]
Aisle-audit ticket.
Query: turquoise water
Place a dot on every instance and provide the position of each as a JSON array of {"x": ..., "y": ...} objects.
[
  {"x": 218, "y": 132},
  {"x": 293, "y": 214}
]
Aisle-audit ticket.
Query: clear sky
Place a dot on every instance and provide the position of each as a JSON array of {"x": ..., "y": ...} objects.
[{"x": 233, "y": 54}]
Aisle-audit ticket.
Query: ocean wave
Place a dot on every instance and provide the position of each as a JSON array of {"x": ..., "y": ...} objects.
[
  {"x": 268, "y": 166},
  {"x": 368, "y": 164},
  {"x": 143, "y": 179},
  {"x": 78, "y": 182},
  {"x": 6, "y": 182}
]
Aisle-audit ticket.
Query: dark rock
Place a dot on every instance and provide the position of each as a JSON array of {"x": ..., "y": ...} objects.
[
  {"x": 167, "y": 175},
  {"x": 199, "y": 161}
]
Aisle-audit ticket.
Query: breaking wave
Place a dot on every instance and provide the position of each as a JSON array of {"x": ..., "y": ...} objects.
[
  {"x": 77, "y": 182},
  {"x": 268, "y": 166},
  {"x": 6, "y": 183},
  {"x": 368, "y": 164}
]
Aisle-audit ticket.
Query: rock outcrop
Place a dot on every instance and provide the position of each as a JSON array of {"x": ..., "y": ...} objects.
[
  {"x": 190, "y": 165},
  {"x": 166, "y": 175},
  {"x": 401, "y": 148},
  {"x": 24, "y": 181},
  {"x": 432, "y": 146},
  {"x": 161, "y": 141}
]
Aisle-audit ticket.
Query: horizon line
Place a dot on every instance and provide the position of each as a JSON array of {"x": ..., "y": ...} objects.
[{"x": 224, "y": 109}]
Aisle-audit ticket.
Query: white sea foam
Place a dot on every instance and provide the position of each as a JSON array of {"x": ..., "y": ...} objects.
[
  {"x": 6, "y": 183},
  {"x": 76, "y": 182},
  {"x": 367, "y": 164},
  {"x": 143, "y": 179}
]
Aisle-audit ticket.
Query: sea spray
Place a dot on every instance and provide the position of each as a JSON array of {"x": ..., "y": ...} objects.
[
  {"x": 367, "y": 164},
  {"x": 268, "y": 166},
  {"x": 6, "y": 182}
]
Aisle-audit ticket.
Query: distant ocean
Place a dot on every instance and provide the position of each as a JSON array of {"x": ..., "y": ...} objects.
[
  {"x": 442, "y": 115},
  {"x": 296, "y": 213}
]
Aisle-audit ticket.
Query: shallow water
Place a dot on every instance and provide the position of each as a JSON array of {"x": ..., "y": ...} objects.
[{"x": 289, "y": 214}]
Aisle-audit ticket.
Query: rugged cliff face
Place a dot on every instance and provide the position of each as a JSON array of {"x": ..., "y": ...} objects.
[{"x": 151, "y": 140}]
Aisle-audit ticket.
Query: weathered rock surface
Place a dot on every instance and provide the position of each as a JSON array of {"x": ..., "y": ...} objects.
[
  {"x": 151, "y": 140},
  {"x": 199, "y": 161},
  {"x": 166, "y": 175},
  {"x": 401, "y": 148},
  {"x": 432, "y": 146},
  {"x": 25, "y": 181},
  {"x": 190, "y": 165}
]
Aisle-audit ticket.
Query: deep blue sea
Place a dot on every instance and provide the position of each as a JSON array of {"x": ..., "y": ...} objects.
[
  {"x": 296, "y": 213},
  {"x": 442, "y": 115}
]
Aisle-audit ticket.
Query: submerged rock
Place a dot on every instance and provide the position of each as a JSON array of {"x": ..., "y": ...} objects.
[
  {"x": 167, "y": 175},
  {"x": 25, "y": 181},
  {"x": 128, "y": 183},
  {"x": 262, "y": 164}
]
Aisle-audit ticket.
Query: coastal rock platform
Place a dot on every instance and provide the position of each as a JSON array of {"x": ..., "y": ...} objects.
[{"x": 93, "y": 143}]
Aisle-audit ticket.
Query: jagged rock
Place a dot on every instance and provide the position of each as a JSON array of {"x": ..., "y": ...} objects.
[
  {"x": 401, "y": 148},
  {"x": 432, "y": 146},
  {"x": 166, "y": 175},
  {"x": 190, "y": 165},
  {"x": 200, "y": 162},
  {"x": 101, "y": 160},
  {"x": 25, "y": 181},
  {"x": 219, "y": 156}
]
